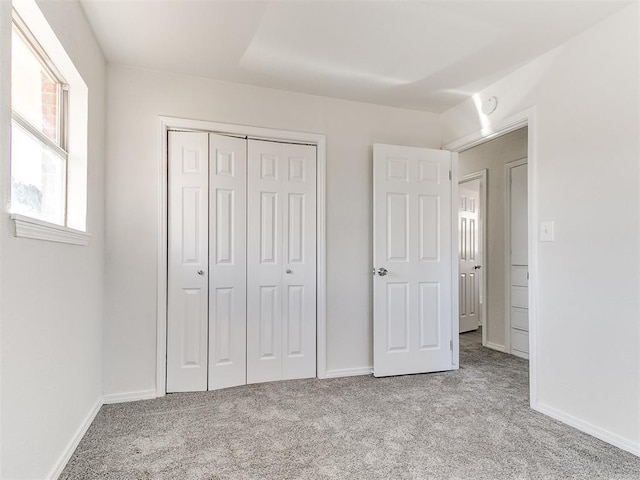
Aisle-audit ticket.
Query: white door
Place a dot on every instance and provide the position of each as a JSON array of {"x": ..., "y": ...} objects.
[
  {"x": 281, "y": 261},
  {"x": 468, "y": 256},
  {"x": 412, "y": 259},
  {"x": 227, "y": 261},
  {"x": 187, "y": 262},
  {"x": 518, "y": 307}
]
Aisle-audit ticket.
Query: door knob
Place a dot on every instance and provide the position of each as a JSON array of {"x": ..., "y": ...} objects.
[
  {"x": 382, "y": 271},
  {"x": 288, "y": 270},
  {"x": 477, "y": 267},
  {"x": 200, "y": 272}
]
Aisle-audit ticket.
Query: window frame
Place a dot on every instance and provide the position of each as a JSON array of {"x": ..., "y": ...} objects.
[
  {"x": 35, "y": 30},
  {"x": 60, "y": 146},
  {"x": 50, "y": 67}
]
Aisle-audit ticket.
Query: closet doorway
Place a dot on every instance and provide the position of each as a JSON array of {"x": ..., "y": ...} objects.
[{"x": 243, "y": 258}]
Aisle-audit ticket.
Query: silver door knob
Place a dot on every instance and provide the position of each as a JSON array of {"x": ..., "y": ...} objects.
[
  {"x": 200, "y": 272},
  {"x": 382, "y": 272},
  {"x": 477, "y": 267},
  {"x": 288, "y": 270}
]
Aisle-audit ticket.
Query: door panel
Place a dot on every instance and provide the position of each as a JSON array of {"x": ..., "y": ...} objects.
[
  {"x": 267, "y": 322},
  {"x": 295, "y": 319},
  {"x": 429, "y": 313},
  {"x": 187, "y": 262},
  {"x": 468, "y": 258},
  {"x": 299, "y": 253},
  {"x": 227, "y": 261},
  {"x": 281, "y": 269},
  {"x": 429, "y": 228},
  {"x": 412, "y": 241},
  {"x": 397, "y": 317},
  {"x": 519, "y": 217},
  {"x": 520, "y": 343},
  {"x": 397, "y": 227},
  {"x": 518, "y": 237}
]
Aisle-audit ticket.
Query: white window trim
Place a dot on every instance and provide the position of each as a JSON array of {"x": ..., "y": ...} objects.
[
  {"x": 77, "y": 138},
  {"x": 28, "y": 227}
]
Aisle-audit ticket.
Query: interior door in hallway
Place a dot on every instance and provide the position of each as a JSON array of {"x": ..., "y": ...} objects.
[
  {"x": 281, "y": 261},
  {"x": 412, "y": 259},
  {"x": 468, "y": 255},
  {"x": 187, "y": 287}
]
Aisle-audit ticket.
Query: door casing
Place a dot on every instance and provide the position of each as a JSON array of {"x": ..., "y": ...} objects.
[
  {"x": 173, "y": 123},
  {"x": 499, "y": 127}
]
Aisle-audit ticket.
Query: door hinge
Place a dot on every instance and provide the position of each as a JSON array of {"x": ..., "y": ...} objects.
[
  {"x": 527, "y": 275},
  {"x": 451, "y": 345},
  {"x": 449, "y": 174}
]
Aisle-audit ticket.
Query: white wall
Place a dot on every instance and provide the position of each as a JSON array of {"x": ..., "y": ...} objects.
[
  {"x": 586, "y": 99},
  {"x": 51, "y": 309},
  {"x": 135, "y": 100},
  {"x": 493, "y": 155}
]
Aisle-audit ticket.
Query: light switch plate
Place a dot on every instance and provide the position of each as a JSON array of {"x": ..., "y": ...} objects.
[{"x": 547, "y": 233}]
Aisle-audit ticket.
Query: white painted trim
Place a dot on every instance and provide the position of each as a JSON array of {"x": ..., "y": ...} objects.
[
  {"x": 349, "y": 372},
  {"x": 507, "y": 253},
  {"x": 111, "y": 398},
  {"x": 503, "y": 127},
  {"x": 78, "y": 110},
  {"x": 589, "y": 428},
  {"x": 321, "y": 260},
  {"x": 526, "y": 118},
  {"x": 75, "y": 441},
  {"x": 320, "y": 141},
  {"x": 161, "y": 291},
  {"x": 495, "y": 346},
  {"x": 455, "y": 268},
  {"x": 27, "y": 227},
  {"x": 242, "y": 130},
  {"x": 482, "y": 218}
]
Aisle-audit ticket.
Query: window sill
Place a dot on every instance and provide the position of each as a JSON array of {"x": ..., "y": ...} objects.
[{"x": 27, "y": 227}]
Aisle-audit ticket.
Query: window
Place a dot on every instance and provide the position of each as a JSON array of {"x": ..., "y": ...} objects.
[
  {"x": 38, "y": 135},
  {"x": 49, "y": 133}
]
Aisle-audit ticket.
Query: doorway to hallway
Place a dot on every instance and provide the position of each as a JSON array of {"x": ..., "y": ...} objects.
[{"x": 493, "y": 245}]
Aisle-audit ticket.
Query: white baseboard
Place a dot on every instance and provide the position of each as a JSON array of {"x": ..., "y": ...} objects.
[
  {"x": 349, "y": 372},
  {"x": 129, "y": 396},
  {"x": 495, "y": 346},
  {"x": 586, "y": 427},
  {"x": 75, "y": 440}
]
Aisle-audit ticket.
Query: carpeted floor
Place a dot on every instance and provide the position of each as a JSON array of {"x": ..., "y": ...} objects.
[{"x": 474, "y": 423}]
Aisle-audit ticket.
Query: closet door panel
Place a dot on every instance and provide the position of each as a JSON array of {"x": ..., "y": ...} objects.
[
  {"x": 242, "y": 261},
  {"x": 299, "y": 250},
  {"x": 281, "y": 280},
  {"x": 187, "y": 262},
  {"x": 264, "y": 261},
  {"x": 227, "y": 261}
]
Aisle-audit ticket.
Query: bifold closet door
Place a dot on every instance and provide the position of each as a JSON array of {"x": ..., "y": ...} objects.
[
  {"x": 187, "y": 288},
  {"x": 227, "y": 261},
  {"x": 206, "y": 314},
  {"x": 241, "y": 261},
  {"x": 281, "y": 261}
]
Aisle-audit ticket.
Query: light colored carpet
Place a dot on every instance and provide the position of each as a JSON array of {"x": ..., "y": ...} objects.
[{"x": 471, "y": 424}]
